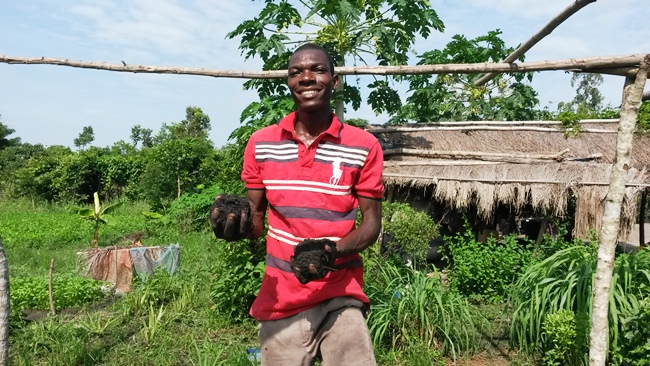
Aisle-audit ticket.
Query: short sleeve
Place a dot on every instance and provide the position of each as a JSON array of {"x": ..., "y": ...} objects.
[
  {"x": 370, "y": 183},
  {"x": 251, "y": 174}
]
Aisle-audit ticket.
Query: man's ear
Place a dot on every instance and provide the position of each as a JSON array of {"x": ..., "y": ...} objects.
[{"x": 335, "y": 80}]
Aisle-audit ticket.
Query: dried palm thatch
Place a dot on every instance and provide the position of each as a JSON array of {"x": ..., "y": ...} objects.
[{"x": 518, "y": 167}]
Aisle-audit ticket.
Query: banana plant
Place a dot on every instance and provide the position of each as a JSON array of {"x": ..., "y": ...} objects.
[{"x": 98, "y": 215}]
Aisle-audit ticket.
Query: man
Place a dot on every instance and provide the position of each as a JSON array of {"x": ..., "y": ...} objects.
[{"x": 312, "y": 173}]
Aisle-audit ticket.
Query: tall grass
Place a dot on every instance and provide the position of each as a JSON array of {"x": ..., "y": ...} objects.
[
  {"x": 565, "y": 281},
  {"x": 411, "y": 309}
]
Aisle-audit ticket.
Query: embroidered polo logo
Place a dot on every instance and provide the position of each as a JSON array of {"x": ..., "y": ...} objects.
[{"x": 336, "y": 171}]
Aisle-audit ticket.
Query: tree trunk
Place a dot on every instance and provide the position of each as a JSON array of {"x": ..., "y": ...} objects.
[
  {"x": 599, "y": 336},
  {"x": 4, "y": 307},
  {"x": 178, "y": 185},
  {"x": 96, "y": 234},
  {"x": 340, "y": 104},
  {"x": 644, "y": 196}
]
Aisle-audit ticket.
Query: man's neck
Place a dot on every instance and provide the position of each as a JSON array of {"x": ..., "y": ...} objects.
[{"x": 313, "y": 123}]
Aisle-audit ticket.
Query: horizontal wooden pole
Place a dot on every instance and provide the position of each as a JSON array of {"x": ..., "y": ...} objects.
[
  {"x": 523, "y": 181},
  {"x": 483, "y": 128},
  {"x": 487, "y": 161},
  {"x": 478, "y": 155},
  {"x": 583, "y": 64},
  {"x": 501, "y": 123}
]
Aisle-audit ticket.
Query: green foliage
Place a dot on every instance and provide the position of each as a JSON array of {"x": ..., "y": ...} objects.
[
  {"x": 636, "y": 349},
  {"x": 68, "y": 291},
  {"x": 453, "y": 97},
  {"x": 565, "y": 343},
  {"x": 5, "y": 141},
  {"x": 384, "y": 29},
  {"x": 643, "y": 119},
  {"x": 411, "y": 230},
  {"x": 485, "y": 270},
  {"x": 86, "y": 136},
  {"x": 565, "y": 281},
  {"x": 190, "y": 211},
  {"x": 238, "y": 275},
  {"x": 99, "y": 215},
  {"x": 412, "y": 310},
  {"x": 176, "y": 166}
]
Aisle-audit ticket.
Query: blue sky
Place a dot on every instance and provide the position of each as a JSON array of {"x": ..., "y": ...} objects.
[{"x": 51, "y": 104}]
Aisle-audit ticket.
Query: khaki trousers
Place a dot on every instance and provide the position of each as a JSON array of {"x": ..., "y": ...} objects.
[{"x": 335, "y": 330}]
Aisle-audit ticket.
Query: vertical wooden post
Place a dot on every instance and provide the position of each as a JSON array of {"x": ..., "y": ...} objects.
[
  {"x": 644, "y": 196},
  {"x": 599, "y": 336},
  {"x": 4, "y": 307},
  {"x": 52, "y": 310}
]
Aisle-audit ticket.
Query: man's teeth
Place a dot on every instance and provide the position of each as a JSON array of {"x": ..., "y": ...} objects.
[{"x": 309, "y": 93}]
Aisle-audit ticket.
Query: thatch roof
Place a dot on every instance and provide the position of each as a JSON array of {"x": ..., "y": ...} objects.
[{"x": 530, "y": 163}]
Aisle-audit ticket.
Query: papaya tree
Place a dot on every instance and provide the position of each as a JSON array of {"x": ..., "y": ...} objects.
[{"x": 383, "y": 31}]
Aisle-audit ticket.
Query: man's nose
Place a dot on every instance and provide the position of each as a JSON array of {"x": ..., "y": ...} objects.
[{"x": 307, "y": 76}]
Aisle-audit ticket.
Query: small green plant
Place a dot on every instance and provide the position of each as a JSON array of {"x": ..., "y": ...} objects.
[
  {"x": 97, "y": 323},
  {"x": 238, "y": 276},
  {"x": 564, "y": 343},
  {"x": 636, "y": 349},
  {"x": 152, "y": 323},
  {"x": 68, "y": 291},
  {"x": 410, "y": 231},
  {"x": 190, "y": 211},
  {"x": 485, "y": 270},
  {"x": 98, "y": 215},
  {"x": 412, "y": 309},
  {"x": 643, "y": 119}
]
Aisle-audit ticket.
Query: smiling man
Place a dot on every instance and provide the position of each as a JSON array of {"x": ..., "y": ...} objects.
[{"x": 312, "y": 173}]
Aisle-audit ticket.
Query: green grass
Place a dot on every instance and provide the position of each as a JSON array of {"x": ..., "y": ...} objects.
[{"x": 174, "y": 320}]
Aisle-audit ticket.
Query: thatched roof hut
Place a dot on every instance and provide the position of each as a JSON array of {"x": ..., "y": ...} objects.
[{"x": 515, "y": 163}]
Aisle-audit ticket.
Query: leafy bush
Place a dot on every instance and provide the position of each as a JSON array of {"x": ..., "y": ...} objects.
[
  {"x": 191, "y": 211},
  {"x": 485, "y": 270},
  {"x": 68, "y": 291},
  {"x": 412, "y": 310},
  {"x": 565, "y": 281},
  {"x": 238, "y": 277},
  {"x": 636, "y": 332},
  {"x": 565, "y": 343},
  {"x": 411, "y": 231}
]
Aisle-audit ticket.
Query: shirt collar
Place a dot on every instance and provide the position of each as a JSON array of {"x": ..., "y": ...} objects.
[{"x": 288, "y": 124}]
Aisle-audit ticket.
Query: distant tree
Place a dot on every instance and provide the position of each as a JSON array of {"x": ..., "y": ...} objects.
[
  {"x": 142, "y": 135},
  {"x": 86, "y": 137},
  {"x": 195, "y": 125},
  {"x": 587, "y": 92},
  {"x": 5, "y": 132}
]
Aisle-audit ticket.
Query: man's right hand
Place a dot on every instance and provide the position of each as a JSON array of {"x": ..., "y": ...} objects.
[{"x": 230, "y": 217}]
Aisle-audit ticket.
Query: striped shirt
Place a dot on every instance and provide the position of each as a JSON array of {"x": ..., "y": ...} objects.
[{"x": 313, "y": 193}]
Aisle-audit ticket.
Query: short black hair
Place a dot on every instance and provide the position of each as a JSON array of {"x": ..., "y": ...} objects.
[{"x": 314, "y": 46}]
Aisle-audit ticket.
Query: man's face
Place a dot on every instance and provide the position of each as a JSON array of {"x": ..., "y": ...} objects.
[{"x": 310, "y": 80}]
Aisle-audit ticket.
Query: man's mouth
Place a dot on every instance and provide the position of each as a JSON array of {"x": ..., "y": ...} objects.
[{"x": 309, "y": 93}]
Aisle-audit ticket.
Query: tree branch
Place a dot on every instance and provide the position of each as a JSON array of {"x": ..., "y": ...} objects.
[{"x": 548, "y": 28}]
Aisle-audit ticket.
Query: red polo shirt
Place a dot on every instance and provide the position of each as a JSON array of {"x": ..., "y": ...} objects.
[{"x": 312, "y": 193}]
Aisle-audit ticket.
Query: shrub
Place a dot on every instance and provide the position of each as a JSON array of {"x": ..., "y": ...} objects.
[
  {"x": 485, "y": 270},
  {"x": 636, "y": 350},
  {"x": 238, "y": 275},
  {"x": 411, "y": 231},
  {"x": 191, "y": 211},
  {"x": 565, "y": 281},
  {"x": 411, "y": 309},
  {"x": 565, "y": 341}
]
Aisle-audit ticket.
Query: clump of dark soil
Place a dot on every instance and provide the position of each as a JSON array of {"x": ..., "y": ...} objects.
[
  {"x": 312, "y": 251},
  {"x": 226, "y": 205}
]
